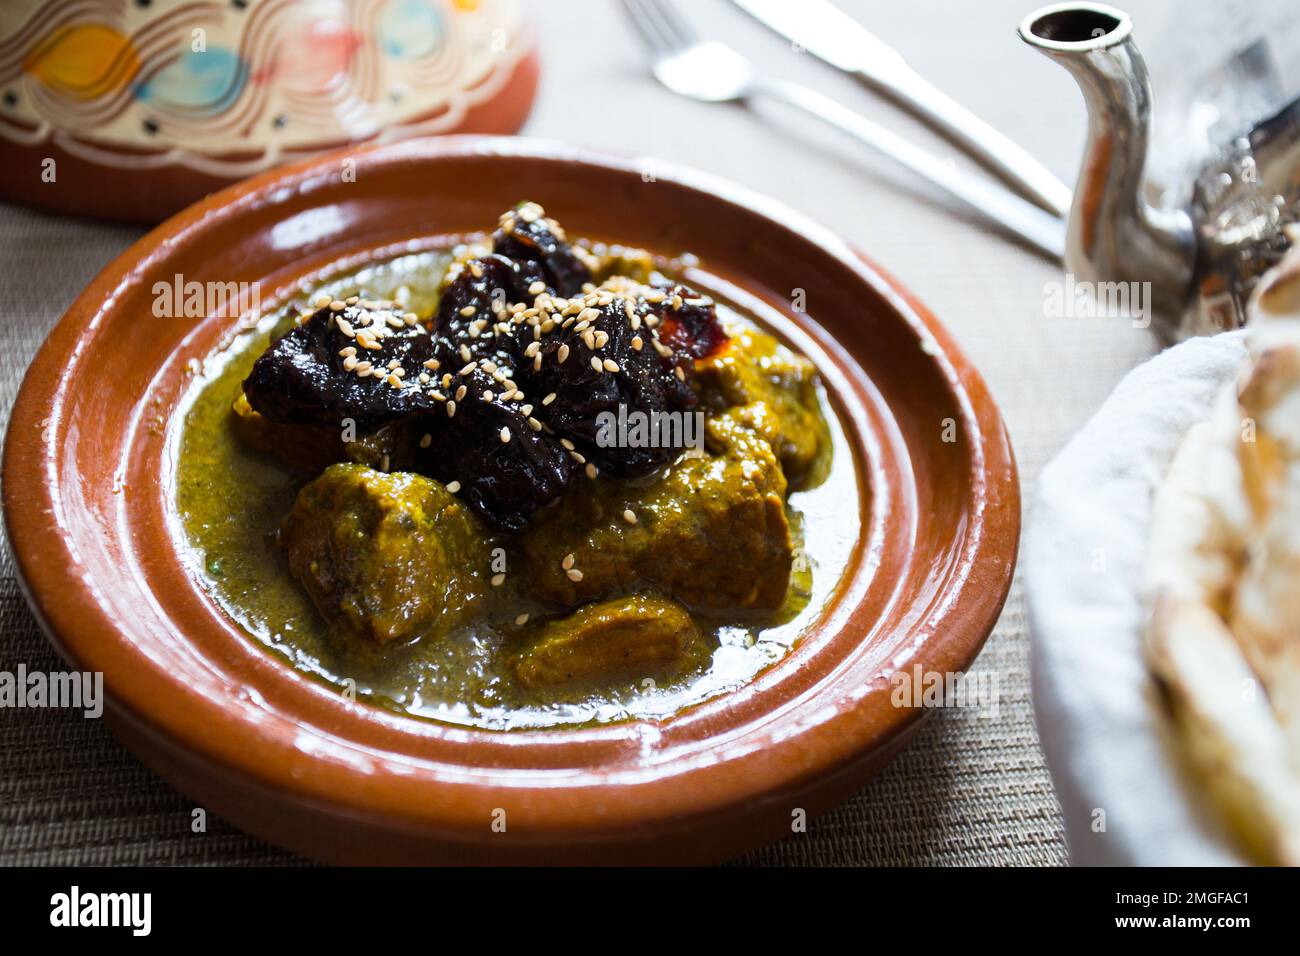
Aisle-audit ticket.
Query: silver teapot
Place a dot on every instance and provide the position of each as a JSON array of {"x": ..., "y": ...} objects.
[{"x": 1201, "y": 260}]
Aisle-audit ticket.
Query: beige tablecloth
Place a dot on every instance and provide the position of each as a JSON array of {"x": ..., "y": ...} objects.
[{"x": 971, "y": 789}]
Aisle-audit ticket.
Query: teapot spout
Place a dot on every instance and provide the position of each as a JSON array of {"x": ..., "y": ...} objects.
[{"x": 1114, "y": 234}]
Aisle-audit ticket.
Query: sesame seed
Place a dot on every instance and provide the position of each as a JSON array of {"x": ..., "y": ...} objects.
[
  {"x": 394, "y": 320},
  {"x": 567, "y": 562},
  {"x": 637, "y": 343},
  {"x": 453, "y": 486},
  {"x": 537, "y": 288},
  {"x": 410, "y": 318},
  {"x": 353, "y": 299},
  {"x": 591, "y": 470},
  {"x": 629, "y": 516},
  {"x": 451, "y": 409},
  {"x": 364, "y": 368},
  {"x": 611, "y": 365},
  {"x": 595, "y": 363},
  {"x": 468, "y": 311},
  {"x": 487, "y": 395},
  {"x": 521, "y": 620},
  {"x": 383, "y": 463},
  {"x": 468, "y": 368},
  {"x": 393, "y": 381},
  {"x": 432, "y": 364},
  {"x": 426, "y": 440},
  {"x": 322, "y": 300},
  {"x": 348, "y": 350},
  {"x": 562, "y": 354},
  {"x": 534, "y": 424},
  {"x": 548, "y": 399},
  {"x": 568, "y": 445},
  {"x": 525, "y": 409},
  {"x": 505, "y": 435},
  {"x": 465, "y": 354},
  {"x": 681, "y": 376},
  {"x": 350, "y": 363},
  {"x": 498, "y": 580},
  {"x": 337, "y": 305},
  {"x": 345, "y": 326},
  {"x": 574, "y": 574}
]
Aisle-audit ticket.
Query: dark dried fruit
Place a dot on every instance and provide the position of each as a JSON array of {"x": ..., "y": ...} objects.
[
  {"x": 688, "y": 322},
  {"x": 526, "y": 234},
  {"x": 308, "y": 376},
  {"x": 507, "y": 468},
  {"x": 522, "y": 346},
  {"x": 611, "y": 366}
]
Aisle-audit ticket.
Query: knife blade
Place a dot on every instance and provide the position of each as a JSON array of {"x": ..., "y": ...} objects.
[{"x": 831, "y": 35}]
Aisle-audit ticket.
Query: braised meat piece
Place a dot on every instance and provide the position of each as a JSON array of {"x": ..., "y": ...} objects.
[
  {"x": 711, "y": 530},
  {"x": 387, "y": 557},
  {"x": 626, "y": 637},
  {"x": 354, "y": 360},
  {"x": 759, "y": 383}
]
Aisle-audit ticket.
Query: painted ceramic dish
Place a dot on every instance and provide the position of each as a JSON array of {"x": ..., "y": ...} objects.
[
  {"x": 923, "y": 493},
  {"x": 131, "y": 110}
]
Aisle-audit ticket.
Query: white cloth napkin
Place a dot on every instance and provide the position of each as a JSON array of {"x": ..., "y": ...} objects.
[{"x": 1124, "y": 797}]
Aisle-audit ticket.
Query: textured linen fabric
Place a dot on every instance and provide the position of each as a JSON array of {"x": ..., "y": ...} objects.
[
  {"x": 1084, "y": 551},
  {"x": 972, "y": 788}
]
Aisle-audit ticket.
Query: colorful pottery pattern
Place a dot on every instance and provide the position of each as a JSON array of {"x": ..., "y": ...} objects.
[{"x": 231, "y": 87}]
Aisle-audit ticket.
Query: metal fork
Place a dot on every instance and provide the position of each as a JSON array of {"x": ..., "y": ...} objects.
[{"x": 712, "y": 72}]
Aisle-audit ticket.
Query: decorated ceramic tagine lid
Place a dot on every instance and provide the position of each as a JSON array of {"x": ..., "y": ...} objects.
[{"x": 132, "y": 109}]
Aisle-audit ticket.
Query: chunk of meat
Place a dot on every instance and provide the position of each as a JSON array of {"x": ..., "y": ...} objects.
[
  {"x": 711, "y": 530},
  {"x": 386, "y": 556},
  {"x": 313, "y": 448},
  {"x": 756, "y": 381},
  {"x": 305, "y": 448},
  {"x": 625, "y": 637}
]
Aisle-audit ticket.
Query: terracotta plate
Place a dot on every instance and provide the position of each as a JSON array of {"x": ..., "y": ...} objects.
[{"x": 286, "y": 757}]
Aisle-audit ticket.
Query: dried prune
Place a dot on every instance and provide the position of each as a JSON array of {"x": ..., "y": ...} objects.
[
  {"x": 485, "y": 443},
  {"x": 353, "y": 360},
  {"x": 527, "y": 234},
  {"x": 518, "y": 381},
  {"x": 603, "y": 357}
]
